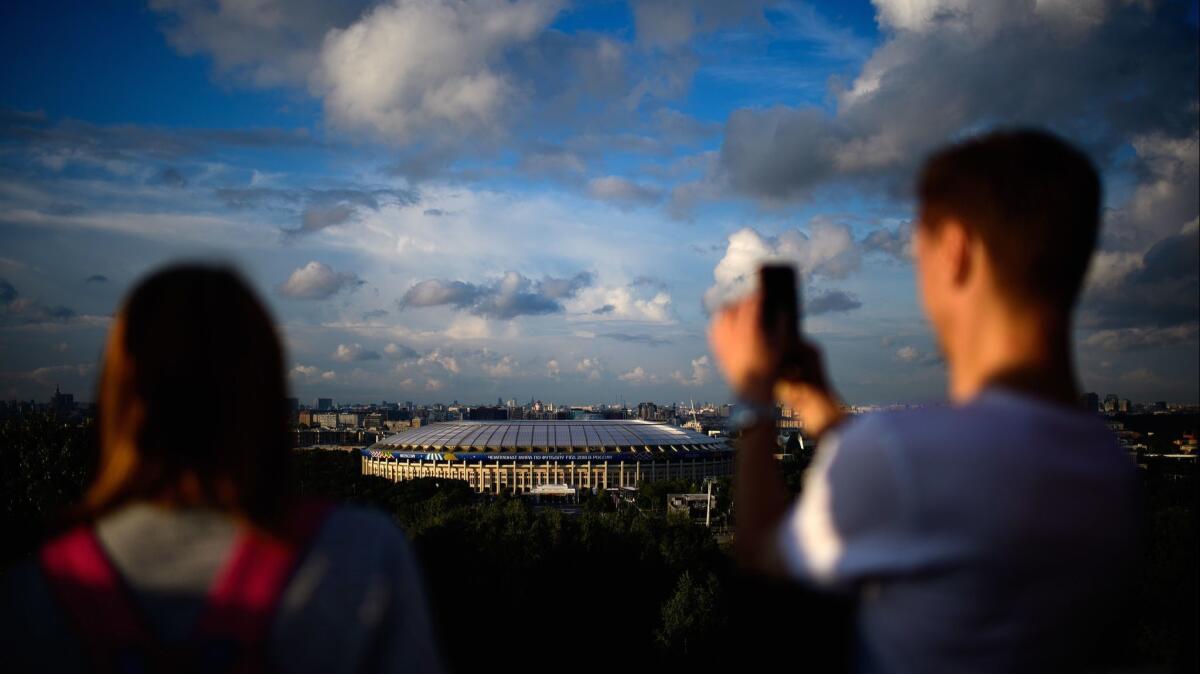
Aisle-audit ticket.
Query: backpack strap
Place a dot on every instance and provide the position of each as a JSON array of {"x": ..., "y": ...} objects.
[
  {"x": 235, "y": 623},
  {"x": 97, "y": 603}
]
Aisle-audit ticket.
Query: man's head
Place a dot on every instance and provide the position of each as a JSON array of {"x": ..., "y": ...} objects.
[{"x": 1010, "y": 219}]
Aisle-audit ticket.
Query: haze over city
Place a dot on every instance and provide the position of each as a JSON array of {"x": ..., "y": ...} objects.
[{"x": 542, "y": 199}]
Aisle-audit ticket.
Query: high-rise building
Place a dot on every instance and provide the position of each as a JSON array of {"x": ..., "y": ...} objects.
[
  {"x": 62, "y": 402},
  {"x": 1111, "y": 401},
  {"x": 1126, "y": 406},
  {"x": 647, "y": 411},
  {"x": 324, "y": 404},
  {"x": 1090, "y": 402}
]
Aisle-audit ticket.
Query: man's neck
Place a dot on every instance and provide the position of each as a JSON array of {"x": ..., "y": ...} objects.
[{"x": 1023, "y": 351}]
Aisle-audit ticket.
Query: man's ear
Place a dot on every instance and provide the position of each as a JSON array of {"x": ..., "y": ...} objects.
[{"x": 955, "y": 246}]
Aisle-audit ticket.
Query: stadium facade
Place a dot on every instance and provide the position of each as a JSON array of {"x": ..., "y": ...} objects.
[{"x": 522, "y": 457}]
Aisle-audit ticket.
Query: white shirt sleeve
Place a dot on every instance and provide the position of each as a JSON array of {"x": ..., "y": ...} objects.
[{"x": 853, "y": 518}]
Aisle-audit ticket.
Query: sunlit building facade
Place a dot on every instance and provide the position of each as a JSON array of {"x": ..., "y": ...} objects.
[{"x": 519, "y": 456}]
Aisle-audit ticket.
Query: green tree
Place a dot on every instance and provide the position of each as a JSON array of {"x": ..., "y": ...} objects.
[{"x": 691, "y": 617}]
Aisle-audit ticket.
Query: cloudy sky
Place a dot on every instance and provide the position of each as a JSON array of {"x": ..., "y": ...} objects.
[{"x": 447, "y": 199}]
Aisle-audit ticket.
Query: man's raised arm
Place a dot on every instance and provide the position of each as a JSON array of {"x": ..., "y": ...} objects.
[{"x": 750, "y": 360}]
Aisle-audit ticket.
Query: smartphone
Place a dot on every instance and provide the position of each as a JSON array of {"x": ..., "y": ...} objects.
[{"x": 781, "y": 304}]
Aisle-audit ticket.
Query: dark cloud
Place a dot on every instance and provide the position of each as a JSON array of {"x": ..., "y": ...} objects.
[
  {"x": 511, "y": 296},
  {"x": 1163, "y": 289},
  {"x": 316, "y": 209},
  {"x": 171, "y": 177},
  {"x": 401, "y": 352},
  {"x": 648, "y": 340},
  {"x": 13, "y": 117},
  {"x": 896, "y": 242},
  {"x": 8, "y": 293},
  {"x": 268, "y": 47},
  {"x": 623, "y": 193},
  {"x": 562, "y": 288},
  {"x": 316, "y": 218},
  {"x": 435, "y": 212},
  {"x": 649, "y": 282},
  {"x": 96, "y": 278},
  {"x": 18, "y": 310},
  {"x": 831, "y": 301},
  {"x": 436, "y": 292},
  {"x": 1141, "y": 339},
  {"x": 1133, "y": 73},
  {"x": 374, "y": 313},
  {"x": 604, "y": 310},
  {"x": 67, "y": 141}
]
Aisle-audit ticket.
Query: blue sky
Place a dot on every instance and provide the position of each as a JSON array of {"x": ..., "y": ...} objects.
[{"x": 475, "y": 200}]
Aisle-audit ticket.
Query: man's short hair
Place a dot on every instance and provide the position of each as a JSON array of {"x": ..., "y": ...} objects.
[{"x": 1033, "y": 200}]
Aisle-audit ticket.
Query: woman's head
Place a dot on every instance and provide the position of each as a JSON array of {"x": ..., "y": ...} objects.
[{"x": 192, "y": 398}]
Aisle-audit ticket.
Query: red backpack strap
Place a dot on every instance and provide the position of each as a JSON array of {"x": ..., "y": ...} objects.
[
  {"x": 97, "y": 603},
  {"x": 242, "y": 602}
]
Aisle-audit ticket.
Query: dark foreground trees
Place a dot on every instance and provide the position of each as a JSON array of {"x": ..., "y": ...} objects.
[{"x": 614, "y": 588}]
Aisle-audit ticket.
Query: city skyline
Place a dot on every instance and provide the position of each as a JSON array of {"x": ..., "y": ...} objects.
[{"x": 468, "y": 200}]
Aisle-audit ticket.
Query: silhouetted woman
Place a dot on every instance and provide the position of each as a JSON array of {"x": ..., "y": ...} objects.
[{"x": 194, "y": 555}]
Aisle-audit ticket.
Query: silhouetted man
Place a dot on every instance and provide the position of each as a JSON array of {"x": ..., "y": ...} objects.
[{"x": 989, "y": 535}]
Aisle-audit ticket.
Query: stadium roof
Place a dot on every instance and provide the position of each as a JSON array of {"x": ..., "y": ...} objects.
[{"x": 512, "y": 436}]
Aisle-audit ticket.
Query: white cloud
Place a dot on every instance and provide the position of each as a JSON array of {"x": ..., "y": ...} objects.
[
  {"x": 353, "y": 352},
  {"x": 637, "y": 375},
  {"x": 434, "y": 385},
  {"x": 621, "y": 303},
  {"x": 700, "y": 373},
  {"x": 914, "y": 356},
  {"x": 552, "y": 368},
  {"x": 449, "y": 363},
  {"x": 1126, "y": 339},
  {"x": 305, "y": 371},
  {"x": 409, "y": 69},
  {"x": 501, "y": 368},
  {"x": 591, "y": 368},
  {"x": 469, "y": 327},
  {"x": 317, "y": 281},
  {"x": 827, "y": 250}
]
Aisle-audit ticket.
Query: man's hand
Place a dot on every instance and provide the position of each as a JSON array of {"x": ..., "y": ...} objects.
[
  {"x": 762, "y": 367},
  {"x": 747, "y": 359}
]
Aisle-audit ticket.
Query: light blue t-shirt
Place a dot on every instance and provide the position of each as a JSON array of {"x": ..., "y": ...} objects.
[{"x": 989, "y": 537}]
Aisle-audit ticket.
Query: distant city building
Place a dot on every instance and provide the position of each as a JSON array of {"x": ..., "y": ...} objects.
[
  {"x": 324, "y": 404},
  {"x": 1090, "y": 402},
  {"x": 1111, "y": 401},
  {"x": 325, "y": 419},
  {"x": 62, "y": 402},
  {"x": 647, "y": 411},
  {"x": 498, "y": 413}
]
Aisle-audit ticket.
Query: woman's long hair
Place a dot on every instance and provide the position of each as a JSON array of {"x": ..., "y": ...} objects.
[{"x": 192, "y": 400}]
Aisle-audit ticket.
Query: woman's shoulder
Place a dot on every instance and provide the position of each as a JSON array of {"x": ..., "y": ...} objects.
[{"x": 362, "y": 532}]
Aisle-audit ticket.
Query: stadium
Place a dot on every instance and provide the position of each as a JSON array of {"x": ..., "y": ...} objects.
[{"x": 549, "y": 457}]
